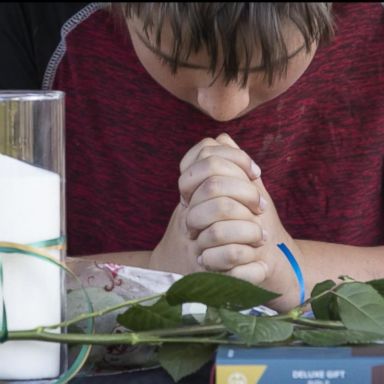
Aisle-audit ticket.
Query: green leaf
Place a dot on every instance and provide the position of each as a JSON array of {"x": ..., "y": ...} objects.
[
  {"x": 346, "y": 278},
  {"x": 332, "y": 337},
  {"x": 255, "y": 330},
  {"x": 217, "y": 290},
  {"x": 180, "y": 360},
  {"x": 324, "y": 307},
  {"x": 361, "y": 307},
  {"x": 378, "y": 285},
  {"x": 212, "y": 316},
  {"x": 145, "y": 318}
]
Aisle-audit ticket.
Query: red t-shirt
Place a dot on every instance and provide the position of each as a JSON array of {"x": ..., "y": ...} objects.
[{"x": 320, "y": 144}]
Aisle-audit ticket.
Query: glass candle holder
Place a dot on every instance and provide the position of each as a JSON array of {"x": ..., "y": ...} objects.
[{"x": 32, "y": 212}]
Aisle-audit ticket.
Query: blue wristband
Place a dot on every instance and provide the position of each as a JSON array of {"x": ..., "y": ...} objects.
[{"x": 296, "y": 269}]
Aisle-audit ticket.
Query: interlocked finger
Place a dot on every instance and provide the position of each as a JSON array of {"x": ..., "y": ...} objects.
[
  {"x": 191, "y": 156},
  {"x": 226, "y": 257},
  {"x": 209, "y": 212},
  {"x": 236, "y": 155},
  {"x": 229, "y": 232},
  {"x": 243, "y": 191},
  {"x": 255, "y": 272},
  {"x": 190, "y": 180}
]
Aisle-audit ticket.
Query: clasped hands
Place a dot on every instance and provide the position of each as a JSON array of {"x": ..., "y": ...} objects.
[{"x": 226, "y": 221}]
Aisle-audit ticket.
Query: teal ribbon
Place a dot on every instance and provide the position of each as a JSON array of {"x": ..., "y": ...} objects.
[
  {"x": 58, "y": 243},
  {"x": 37, "y": 250}
]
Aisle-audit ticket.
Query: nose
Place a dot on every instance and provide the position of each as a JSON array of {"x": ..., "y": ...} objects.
[{"x": 223, "y": 102}]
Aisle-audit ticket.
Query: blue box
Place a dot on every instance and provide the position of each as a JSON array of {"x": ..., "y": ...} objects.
[{"x": 300, "y": 365}]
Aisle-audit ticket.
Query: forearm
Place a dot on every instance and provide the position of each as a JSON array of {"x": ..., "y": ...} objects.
[
  {"x": 134, "y": 259},
  {"x": 321, "y": 261}
]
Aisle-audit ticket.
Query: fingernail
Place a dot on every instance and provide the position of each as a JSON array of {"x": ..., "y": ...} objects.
[
  {"x": 262, "y": 203},
  {"x": 255, "y": 169}
]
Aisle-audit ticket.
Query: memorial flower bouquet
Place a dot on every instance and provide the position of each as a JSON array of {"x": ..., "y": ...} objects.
[{"x": 134, "y": 317}]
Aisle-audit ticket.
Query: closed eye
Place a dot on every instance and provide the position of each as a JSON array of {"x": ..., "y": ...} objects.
[{"x": 168, "y": 60}]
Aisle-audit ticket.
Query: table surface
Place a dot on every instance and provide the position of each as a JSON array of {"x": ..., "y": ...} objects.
[{"x": 151, "y": 376}]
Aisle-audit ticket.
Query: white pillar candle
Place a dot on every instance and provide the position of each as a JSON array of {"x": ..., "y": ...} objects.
[{"x": 29, "y": 212}]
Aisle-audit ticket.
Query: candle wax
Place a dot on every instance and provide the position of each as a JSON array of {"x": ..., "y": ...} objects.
[{"x": 29, "y": 212}]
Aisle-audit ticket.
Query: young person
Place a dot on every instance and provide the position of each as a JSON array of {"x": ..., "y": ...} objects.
[{"x": 148, "y": 96}]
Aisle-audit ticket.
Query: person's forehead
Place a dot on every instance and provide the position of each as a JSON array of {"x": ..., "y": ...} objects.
[{"x": 198, "y": 60}]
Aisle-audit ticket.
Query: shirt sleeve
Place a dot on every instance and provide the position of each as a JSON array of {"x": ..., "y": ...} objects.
[
  {"x": 29, "y": 34},
  {"x": 17, "y": 66}
]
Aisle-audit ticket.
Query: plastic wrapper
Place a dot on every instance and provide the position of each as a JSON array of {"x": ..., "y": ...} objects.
[{"x": 107, "y": 285}]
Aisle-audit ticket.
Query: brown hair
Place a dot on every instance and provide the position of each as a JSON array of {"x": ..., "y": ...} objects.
[{"x": 239, "y": 27}]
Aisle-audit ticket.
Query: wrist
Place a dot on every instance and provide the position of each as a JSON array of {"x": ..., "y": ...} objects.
[
  {"x": 295, "y": 266},
  {"x": 290, "y": 276}
]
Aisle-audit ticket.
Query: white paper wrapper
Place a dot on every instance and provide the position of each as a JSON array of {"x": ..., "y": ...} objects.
[{"x": 109, "y": 284}]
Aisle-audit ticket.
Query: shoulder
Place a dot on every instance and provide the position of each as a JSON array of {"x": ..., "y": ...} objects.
[
  {"x": 37, "y": 18},
  {"x": 359, "y": 30},
  {"x": 29, "y": 35},
  {"x": 360, "y": 12}
]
